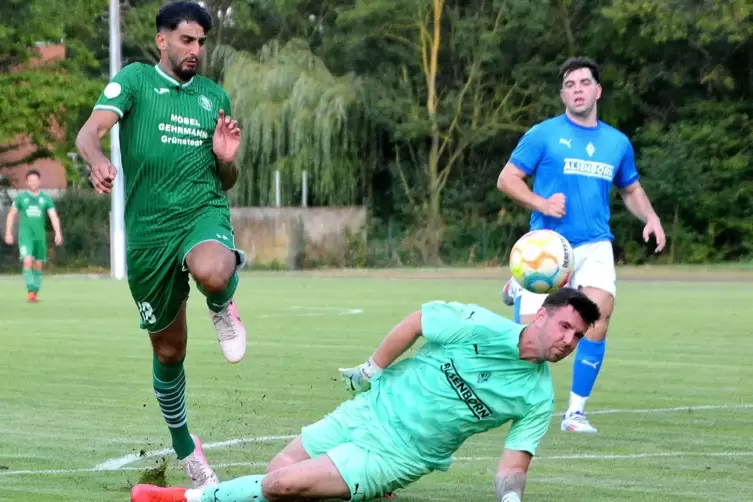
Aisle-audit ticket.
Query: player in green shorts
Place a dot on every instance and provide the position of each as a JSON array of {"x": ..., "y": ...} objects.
[
  {"x": 476, "y": 371},
  {"x": 178, "y": 147},
  {"x": 34, "y": 207}
]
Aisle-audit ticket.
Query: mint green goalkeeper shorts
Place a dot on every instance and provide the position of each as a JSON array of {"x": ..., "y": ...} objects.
[{"x": 370, "y": 463}]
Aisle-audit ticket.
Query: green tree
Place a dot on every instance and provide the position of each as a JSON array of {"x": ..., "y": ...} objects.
[{"x": 296, "y": 115}]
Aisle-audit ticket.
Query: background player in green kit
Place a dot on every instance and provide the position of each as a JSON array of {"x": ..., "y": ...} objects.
[
  {"x": 34, "y": 207},
  {"x": 476, "y": 371},
  {"x": 178, "y": 148}
]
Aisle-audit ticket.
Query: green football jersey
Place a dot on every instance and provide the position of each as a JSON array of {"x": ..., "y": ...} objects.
[
  {"x": 33, "y": 208},
  {"x": 166, "y": 130},
  {"x": 466, "y": 379}
]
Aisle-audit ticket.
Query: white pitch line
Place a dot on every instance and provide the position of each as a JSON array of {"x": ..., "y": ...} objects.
[
  {"x": 116, "y": 464},
  {"x": 120, "y": 469},
  {"x": 121, "y": 463},
  {"x": 626, "y": 456},
  {"x": 669, "y": 410}
]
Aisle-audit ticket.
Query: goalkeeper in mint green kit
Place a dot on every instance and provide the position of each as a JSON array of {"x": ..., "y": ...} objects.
[{"x": 475, "y": 372}]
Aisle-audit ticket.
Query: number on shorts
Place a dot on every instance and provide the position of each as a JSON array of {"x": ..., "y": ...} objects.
[{"x": 147, "y": 313}]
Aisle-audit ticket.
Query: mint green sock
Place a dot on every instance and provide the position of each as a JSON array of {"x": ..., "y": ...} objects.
[
  {"x": 169, "y": 383},
  {"x": 29, "y": 280},
  {"x": 245, "y": 489},
  {"x": 218, "y": 301},
  {"x": 37, "y": 274}
]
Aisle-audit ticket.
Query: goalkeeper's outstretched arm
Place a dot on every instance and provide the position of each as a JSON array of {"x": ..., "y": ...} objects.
[
  {"x": 398, "y": 340},
  {"x": 396, "y": 343}
]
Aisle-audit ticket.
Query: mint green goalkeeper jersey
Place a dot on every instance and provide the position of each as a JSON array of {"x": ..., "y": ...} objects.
[
  {"x": 466, "y": 379},
  {"x": 166, "y": 130}
]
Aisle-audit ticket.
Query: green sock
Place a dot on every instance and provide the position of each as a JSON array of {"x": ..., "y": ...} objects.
[
  {"x": 29, "y": 280},
  {"x": 37, "y": 274},
  {"x": 169, "y": 382},
  {"x": 245, "y": 489},
  {"x": 218, "y": 301}
]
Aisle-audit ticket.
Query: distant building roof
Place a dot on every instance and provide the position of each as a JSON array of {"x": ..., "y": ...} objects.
[{"x": 53, "y": 175}]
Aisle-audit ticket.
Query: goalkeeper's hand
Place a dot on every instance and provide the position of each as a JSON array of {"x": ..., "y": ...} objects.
[{"x": 359, "y": 379}]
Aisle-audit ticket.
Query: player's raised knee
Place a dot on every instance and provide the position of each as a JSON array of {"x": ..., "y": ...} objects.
[
  {"x": 212, "y": 275},
  {"x": 212, "y": 266}
]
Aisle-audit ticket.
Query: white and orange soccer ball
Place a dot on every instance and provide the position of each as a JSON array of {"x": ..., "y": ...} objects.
[{"x": 542, "y": 261}]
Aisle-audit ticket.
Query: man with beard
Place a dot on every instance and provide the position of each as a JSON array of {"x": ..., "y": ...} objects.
[
  {"x": 576, "y": 158},
  {"x": 178, "y": 153},
  {"x": 475, "y": 372}
]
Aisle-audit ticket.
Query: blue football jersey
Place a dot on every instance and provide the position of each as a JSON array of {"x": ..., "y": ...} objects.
[{"x": 582, "y": 163}]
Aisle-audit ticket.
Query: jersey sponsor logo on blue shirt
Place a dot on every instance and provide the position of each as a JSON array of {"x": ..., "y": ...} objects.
[
  {"x": 589, "y": 168},
  {"x": 465, "y": 392}
]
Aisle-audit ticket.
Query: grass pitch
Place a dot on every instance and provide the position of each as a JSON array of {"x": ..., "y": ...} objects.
[{"x": 78, "y": 418}]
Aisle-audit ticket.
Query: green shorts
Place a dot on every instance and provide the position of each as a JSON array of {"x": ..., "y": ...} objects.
[
  {"x": 31, "y": 247},
  {"x": 158, "y": 277},
  {"x": 370, "y": 463}
]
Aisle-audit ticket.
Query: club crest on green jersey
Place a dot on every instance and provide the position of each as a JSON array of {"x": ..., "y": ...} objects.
[{"x": 205, "y": 103}]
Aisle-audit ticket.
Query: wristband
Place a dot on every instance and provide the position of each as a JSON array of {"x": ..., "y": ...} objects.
[{"x": 370, "y": 369}]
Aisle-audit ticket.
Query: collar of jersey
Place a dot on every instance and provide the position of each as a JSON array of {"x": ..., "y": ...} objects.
[
  {"x": 585, "y": 128},
  {"x": 171, "y": 79}
]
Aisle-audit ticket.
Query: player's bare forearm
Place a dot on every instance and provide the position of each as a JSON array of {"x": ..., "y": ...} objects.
[
  {"x": 512, "y": 183},
  {"x": 509, "y": 486},
  {"x": 638, "y": 203},
  {"x": 55, "y": 220},
  {"x": 398, "y": 340},
  {"x": 228, "y": 174},
  {"x": 10, "y": 220},
  {"x": 88, "y": 139},
  {"x": 88, "y": 146}
]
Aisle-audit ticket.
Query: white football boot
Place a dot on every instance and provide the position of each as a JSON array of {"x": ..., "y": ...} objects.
[
  {"x": 197, "y": 467},
  {"x": 230, "y": 332},
  {"x": 577, "y": 422},
  {"x": 510, "y": 292}
]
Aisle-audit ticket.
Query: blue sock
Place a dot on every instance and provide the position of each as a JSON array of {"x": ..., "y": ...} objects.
[
  {"x": 516, "y": 309},
  {"x": 586, "y": 365},
  {"x": 245, "y": 489}
]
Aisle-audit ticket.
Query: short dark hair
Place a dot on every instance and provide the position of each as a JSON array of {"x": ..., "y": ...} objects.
[
  {"x": 577, "y": 63},
  {"x": 33, "y": 172},
  {"x": 174, "y": 13},
  {"x": 582, "y": 304}
]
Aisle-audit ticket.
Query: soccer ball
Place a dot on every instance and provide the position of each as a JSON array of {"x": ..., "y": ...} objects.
[{"x": 542, "y": 261}]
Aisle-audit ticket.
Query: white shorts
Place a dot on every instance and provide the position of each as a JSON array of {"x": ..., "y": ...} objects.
[{"x": 594, "y": 268}]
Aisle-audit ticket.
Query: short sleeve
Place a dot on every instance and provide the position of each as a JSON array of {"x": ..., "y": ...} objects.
[
  {"x": 17, "y": 202},
  {"x": 529, "y": 151},
  {"x": 49, "y": 203},
  {"x": 443, "y": 322},
  {"x": 526, "y": 433},
  {"x": 118, "y": 94},
  {"x": 627, "y": 174}
]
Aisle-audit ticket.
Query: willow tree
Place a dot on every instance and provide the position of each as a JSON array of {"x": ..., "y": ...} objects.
[{"x": 297, "y": 116}]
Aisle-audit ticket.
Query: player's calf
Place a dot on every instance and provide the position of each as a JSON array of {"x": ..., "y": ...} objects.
[{"x": 587, "y": 364}]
